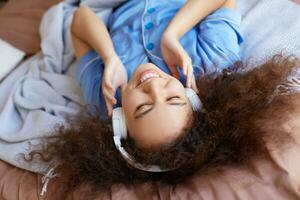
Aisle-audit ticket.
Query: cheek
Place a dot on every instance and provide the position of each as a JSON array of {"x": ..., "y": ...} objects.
[
  {"x": 129, "y": 101},
  {"x": 126, "y": 93},
  {"x": 126, "y": 100}
]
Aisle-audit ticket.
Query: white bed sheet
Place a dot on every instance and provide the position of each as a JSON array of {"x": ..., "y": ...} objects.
[{"x": 270, "y": 27}]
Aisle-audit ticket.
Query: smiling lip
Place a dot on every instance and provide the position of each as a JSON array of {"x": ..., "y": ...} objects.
[{"x": 148, "y": 74}]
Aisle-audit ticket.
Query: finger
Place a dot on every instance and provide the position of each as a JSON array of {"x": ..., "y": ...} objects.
[
  {"x": 190, "y": 75},
  {"x": 107, "y": 83},
  {"x": 194, "y": 85},
  {"x": 174, "y": 72},
  {"x": 185, "y": 68},
  {"x": 185, "y": 61},
  {"x": 111, "y": 98},
  {"x": 109, "y": 102},
  {"x": 109, "y": 95},
  {"x": 108, "y": 107},
  {"x": 173, "y": 69}
]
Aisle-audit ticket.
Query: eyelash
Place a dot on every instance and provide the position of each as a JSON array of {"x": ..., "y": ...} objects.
[
  {"x": 168, "y": 99},
  {"x": 173, "y": 97}
]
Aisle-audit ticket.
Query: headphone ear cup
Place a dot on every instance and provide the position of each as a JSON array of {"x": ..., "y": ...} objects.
[
  {"x": 119, "y": 123},
  {"x": 194, "y": 99}
]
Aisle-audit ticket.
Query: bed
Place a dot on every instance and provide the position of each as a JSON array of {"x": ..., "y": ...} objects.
[{"x": 273, "y": 176}]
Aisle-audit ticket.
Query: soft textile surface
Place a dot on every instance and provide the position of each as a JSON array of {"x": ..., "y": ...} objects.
[
  {"x": 42, "y": 96},
  {"x": 274, "y": 177},
  {"x": 19, "y": 22},
  {"x": 269, "y": 27},
  {"x": 10, "y": 57}
]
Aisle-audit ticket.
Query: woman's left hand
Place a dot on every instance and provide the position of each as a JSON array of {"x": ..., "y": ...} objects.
[
  {"x": 175, "y": 56},
  {"x": 115, "y": 76}
]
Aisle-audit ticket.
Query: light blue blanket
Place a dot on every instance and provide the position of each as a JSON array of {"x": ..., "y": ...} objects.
[{"x": 39, "y": 94}]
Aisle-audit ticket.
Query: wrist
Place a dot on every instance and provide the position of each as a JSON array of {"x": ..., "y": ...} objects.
[
  {"x": 169, "y": 38},
  {"x": 169, "y": 32},
  {"x": 110, "y": 57}
]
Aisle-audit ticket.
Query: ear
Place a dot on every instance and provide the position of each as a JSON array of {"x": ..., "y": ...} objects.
[
  {"x": 119, "y": 123},
  {"x": 194, "y": 99}
]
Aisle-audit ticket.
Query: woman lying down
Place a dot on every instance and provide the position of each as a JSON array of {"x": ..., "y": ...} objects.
[{"x": 164, "y": 82}]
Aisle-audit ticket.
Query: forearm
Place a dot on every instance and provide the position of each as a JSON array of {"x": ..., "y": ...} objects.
[
  {"x": 91, "y": 30},
  {"x": 192, "y": 13}
]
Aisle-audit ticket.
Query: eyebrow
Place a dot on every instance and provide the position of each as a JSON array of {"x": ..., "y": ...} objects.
[{"x": 149, "y": 110}]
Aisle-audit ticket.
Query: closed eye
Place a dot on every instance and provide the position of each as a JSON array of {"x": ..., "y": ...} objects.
[
  {"x": 150, "y": 106},
  {"x": 172, "y": 97},
  {"x": 141, "y": 105},
  {"x": 145, "y": 107}
]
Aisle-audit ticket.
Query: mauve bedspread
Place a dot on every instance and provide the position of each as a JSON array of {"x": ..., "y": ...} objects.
[
  {"x": 276, "y": 176},
  {"x": 19, "y": 23}
]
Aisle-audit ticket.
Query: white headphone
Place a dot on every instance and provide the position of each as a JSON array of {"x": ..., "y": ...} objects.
[{"x": 120, "y": 132}]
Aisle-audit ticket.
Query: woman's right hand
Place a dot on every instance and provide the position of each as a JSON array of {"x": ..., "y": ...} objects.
[
  {"x": 115, "y": 76},
  {"x": 176, "y": 56}
]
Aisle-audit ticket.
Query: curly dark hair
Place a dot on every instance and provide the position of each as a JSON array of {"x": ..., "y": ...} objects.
[{"x": 224, "y": 133}]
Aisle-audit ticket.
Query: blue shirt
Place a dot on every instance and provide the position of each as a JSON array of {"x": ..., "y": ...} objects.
[{"x": 136, "y": 28}]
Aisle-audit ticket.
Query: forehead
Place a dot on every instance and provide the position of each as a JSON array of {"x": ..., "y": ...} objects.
[{"x": 162, "y": 125}]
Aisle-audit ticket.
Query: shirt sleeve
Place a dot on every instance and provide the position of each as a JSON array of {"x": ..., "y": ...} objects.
[
  {"x": 220, "y": 38},
  {"x": 89, "y": 76}
]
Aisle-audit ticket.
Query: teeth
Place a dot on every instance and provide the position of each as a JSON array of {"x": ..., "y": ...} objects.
[{"x": 147, "y": 76}]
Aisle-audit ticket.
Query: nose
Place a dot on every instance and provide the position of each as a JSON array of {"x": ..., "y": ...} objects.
[{"x": 156, "y": 88}]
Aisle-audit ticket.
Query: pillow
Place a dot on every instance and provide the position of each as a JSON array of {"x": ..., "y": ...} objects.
[
  {"x": 10, "y": 57},
  {"x": 19, "y": 23}
]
